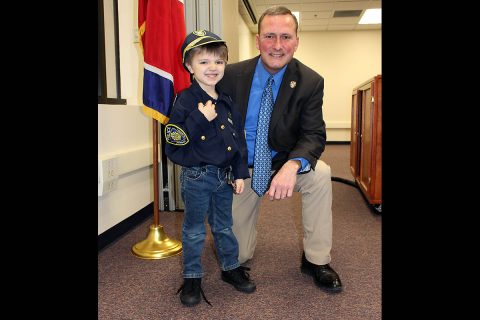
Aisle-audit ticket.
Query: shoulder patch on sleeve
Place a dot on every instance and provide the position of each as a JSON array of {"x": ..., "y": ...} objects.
[{"x": 175, "y": 135}]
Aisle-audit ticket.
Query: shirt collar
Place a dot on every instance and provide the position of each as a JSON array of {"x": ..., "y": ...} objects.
[{"x": 263, "y": 74}]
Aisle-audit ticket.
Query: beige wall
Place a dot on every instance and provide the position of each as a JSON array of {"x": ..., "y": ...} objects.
[
  {"x": 345, "y": 59},
  {"x": 230, "y": 18},
  {"x": 246, "y": 41}
]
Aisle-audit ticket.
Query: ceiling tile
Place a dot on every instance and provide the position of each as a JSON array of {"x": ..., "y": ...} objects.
[{"x": 317, "y": 15}]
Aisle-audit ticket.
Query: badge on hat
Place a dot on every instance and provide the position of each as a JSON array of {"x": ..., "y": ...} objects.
[
  {"x": 175, "y": 135},
  {"x": 199, "y": 33}
]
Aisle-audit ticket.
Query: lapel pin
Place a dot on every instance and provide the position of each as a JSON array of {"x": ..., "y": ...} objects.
[{"x": 293, "y": 84}]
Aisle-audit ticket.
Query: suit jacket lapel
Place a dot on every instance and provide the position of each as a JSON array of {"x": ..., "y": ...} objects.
[
  {"x": 284, "y": 94},
  {"x": 244, "y": 84}
]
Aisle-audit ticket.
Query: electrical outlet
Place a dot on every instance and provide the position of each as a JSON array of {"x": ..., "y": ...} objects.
[
  {"x": 107, "y": 175},
  {"x": 107, "y": 186},
  {"x": 109, "y": 168},
  {"x": 110, "y": 185}
]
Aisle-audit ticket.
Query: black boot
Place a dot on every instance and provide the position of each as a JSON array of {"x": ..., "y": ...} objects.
[
  {"x": 240, "y": 279},
  {"x": 191, "y": 290},
  {"x": 323, "y": 275}
]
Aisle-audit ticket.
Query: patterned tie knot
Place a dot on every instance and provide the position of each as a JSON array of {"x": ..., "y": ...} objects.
[{"x": 262, "y": 159}]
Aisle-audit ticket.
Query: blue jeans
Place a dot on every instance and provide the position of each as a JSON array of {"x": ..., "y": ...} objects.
[{"x": 205, "y": 193}]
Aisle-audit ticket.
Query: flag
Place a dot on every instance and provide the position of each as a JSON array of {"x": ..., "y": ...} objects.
[{"x": 161, "y": 25}]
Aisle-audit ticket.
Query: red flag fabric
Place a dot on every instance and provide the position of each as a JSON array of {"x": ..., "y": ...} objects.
[{"x": 161, "y": 25}]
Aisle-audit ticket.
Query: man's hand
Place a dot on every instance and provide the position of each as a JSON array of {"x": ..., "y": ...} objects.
[
  {"x": 284, "y": 181},
  {"x": 208, "y": 110}
]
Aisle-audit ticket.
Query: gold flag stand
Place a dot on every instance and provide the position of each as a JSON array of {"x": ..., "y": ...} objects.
[{"x": 157, "y": 245}]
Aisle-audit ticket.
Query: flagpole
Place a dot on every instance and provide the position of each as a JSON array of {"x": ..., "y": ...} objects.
[
  {"x": 157, "y": 245},
  {"x": 164, "y": 76}
]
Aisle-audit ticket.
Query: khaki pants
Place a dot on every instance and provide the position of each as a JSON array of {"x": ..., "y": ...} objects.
[{"x": 316, "y": 189}]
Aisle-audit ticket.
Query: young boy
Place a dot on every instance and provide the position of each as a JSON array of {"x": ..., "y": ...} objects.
[{"x": 205, "y": 135}]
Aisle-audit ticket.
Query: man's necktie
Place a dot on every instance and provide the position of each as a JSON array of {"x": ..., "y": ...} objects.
[{"x": 262, "y": 160}]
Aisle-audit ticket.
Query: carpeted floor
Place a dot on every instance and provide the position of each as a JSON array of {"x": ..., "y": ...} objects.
[{"x": 133, "y": 288}]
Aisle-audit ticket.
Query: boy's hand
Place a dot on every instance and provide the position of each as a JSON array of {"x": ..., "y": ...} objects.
[
  {"x": 238, "y": 186},
  {"x": 208, "y": 110}
]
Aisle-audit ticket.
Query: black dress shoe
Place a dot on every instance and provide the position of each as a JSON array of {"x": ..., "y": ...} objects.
[
  {"x": 191, "y": 290},
  {"x": 240, "y": 279},
  {"x": 323, "y": 275}
]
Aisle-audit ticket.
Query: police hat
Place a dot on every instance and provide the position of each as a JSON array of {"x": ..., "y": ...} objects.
[{"x": 198, "y": 38}]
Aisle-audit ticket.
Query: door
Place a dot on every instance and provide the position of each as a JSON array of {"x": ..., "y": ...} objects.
[
  {"x": 365, "y": 174},
  {"x": 355, "y": 133}
]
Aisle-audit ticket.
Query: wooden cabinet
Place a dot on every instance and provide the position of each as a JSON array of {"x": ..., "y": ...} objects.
[{"x": 366, "y": 139}]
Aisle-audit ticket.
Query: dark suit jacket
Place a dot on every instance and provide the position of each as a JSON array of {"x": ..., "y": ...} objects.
[{"x": 296, "y": 128}]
